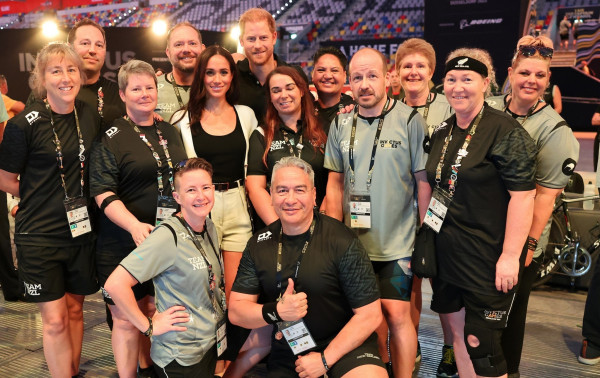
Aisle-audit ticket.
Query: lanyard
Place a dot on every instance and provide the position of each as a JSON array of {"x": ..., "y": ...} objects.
[
  {"x": 529, "y": 112},
  {"x": 59, "y": 154},
  {"x": 299, "y": 145},
  {"x": 280, "y": 250},
  {"x": 375, "y": 143},
  {"x": 211, "y": 275},
  {"x": 163, "y": 142},
  {"x": 100, "y": 102},
  {"x": 459, "y": 156},
  {"x": 176, "y": 90},
  {"x": 427, "y": 104}
]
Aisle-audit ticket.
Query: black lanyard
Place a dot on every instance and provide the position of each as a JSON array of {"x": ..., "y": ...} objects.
[
  {"x": 375, "y": 143},
  {"x": 459, "y": 156},
  {"x": 299, "y": 145},
  {"x": 427, "y": 104},
  {"x": 529, "y": 112},
  {"x": 176, "y": 90},
  {"x": 59, "y": 153},
  {"x": 211, "y": 275},
  {"x": 164, "y": 143},
  {"x": 280, "y": 250}
]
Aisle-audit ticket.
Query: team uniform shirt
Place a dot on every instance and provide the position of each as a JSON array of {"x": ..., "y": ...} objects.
[
  {"x": 557, "y": 147},
  {"x": 180, "y": 277},
  {"x": 252, "y": 93},
  {"x": 500, "y": 157},
  {"x": 399, "y": 155},
  {"x": 8, "y": 103},
  {"x": 168, "y": 103},
  {"x": 123, "y": 164},
  {"x": 335, "y": 273},
  {"x": 313, "y": 155},
  {"x": 103, "y": 96},
  {"x": 327, "y": 115},
  {"x": 28, "y": 149},
  {"x": 439, "y": 111},
  {"x": 3, "y": 110}
]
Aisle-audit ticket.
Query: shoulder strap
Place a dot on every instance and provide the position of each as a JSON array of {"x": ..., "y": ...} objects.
[{"x": 172, "y": 231}]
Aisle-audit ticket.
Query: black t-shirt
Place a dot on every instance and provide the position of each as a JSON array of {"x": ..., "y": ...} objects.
[
  {"x": 335, "y": 273},
  {"x": 112, "y": 105},
  {"x": 500, "y": 157},
  {"x": 122, "y": 163},
  {"x": 328, "y": 114},
  {"x": 28, "y": 149},
  {"x": 226, "y": 153},
  {"x": 252, "y": 93},
  {"x": 279, "y": 149}
]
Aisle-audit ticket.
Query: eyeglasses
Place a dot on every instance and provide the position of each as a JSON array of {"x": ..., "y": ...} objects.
[{"x": 530, "y": 50}]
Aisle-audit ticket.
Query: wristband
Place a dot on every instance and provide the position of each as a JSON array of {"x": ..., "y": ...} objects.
[
  {"x": 148, "y": 332},
  {"x": 324, "y": 360},
  {"x": 108, "y": 200},
  {"x": 532, "y": 243},
  {"x": 270, "y": 314}
]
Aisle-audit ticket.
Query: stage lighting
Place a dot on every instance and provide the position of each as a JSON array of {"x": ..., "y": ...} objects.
[
  {"x": 49, "y": 29},
  {"x": 235, "y": 33},
  {"x": 159, "y": 27}
]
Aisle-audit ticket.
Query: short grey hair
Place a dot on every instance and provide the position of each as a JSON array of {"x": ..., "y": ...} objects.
[
  {"x": 62, "y": 49},
  {"x": 134, "y": 67},
  {"x": 294, "y": 162}
]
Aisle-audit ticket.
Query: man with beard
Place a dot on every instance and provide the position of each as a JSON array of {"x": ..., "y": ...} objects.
[
  {"x": 329, "y": 76},
  {"x": 184, "y": 45},
  {"x": 258, "y": 37}
]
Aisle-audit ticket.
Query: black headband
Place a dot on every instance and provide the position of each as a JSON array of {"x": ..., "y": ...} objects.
[{"x": 466, "y": 63}]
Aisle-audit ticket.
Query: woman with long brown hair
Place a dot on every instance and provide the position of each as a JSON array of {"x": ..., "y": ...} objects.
[{"x": 290, "y": 128}]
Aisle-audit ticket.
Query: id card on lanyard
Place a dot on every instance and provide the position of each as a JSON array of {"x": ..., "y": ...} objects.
[
  {"x": 165, "y": 208},
  {"x": 360, "y": 202},
  {"x": 75, "y": 207}
]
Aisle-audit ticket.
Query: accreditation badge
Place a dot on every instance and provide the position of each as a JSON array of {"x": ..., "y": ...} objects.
[
  {"x": 297, "y": 336},
  {"x": 77, "y": 216},
  {"x": 166, "y": 206},
  {"x": 360, "y": 211},
  {"x": 438, "y": 207},
  {"x": 221, "y": 337}
]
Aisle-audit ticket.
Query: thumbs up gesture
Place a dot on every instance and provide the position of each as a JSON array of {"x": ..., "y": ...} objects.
[{"x": 292, "y": 306}]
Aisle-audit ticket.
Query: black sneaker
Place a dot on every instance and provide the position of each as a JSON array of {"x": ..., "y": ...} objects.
[
  {"x": 447, "y": 367},
  {"x": 589, "y": 354}
]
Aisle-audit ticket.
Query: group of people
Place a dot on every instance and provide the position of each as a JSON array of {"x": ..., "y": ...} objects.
[{"x": 221, "y": 197}]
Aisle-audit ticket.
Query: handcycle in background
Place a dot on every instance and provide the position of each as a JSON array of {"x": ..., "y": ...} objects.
[{"x": 574, "y": 239}]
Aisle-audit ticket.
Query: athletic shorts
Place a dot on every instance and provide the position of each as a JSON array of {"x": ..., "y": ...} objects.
[
  {"x": 282, "y": 362},
  {"x": 394, "y": 278},
  {"x": 564, "y": 37},
  {"x": 489, "y": 311},
  {"x": 106, "y": 263},
  {"x": 231, "y": 218},
  {"x": 48, "y": 273},
  {"x": 203, "y": 369}
]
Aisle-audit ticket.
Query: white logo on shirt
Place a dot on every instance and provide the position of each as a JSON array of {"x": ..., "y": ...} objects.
[
  {"x": 32, "y": 117},
  {"x": 264, "y": 236},
  {"x": 32, "y": 289},
  {"x": 112, "y": 132},
  {"x": 277, "y": 145},
  {"x": 197, "y": 263},
  {"x": 440, "y": 126}
]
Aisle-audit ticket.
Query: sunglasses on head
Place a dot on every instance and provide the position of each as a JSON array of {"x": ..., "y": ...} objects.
[
  {"x": 530, "y": 50},
  {"x": 181, "y": 165}
]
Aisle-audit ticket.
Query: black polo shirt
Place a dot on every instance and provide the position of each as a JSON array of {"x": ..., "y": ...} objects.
[{"x": 327, "y": 115}]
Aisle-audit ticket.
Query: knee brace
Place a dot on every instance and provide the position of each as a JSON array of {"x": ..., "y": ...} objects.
[{"x": 488, "y": 359}]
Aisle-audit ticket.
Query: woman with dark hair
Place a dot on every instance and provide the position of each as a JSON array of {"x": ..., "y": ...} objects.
[
  {"x": 557, "y": 155},
  {"x": 44, "y": 160},
  {"x": 131, "y": 178},
  {"x": 291, "y": 128},
  {"x": 216, "y": 129}
]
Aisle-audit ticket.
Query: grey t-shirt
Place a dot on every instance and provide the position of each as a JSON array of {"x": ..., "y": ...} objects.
[
  {"x": 168, "y": 103},
  {"x": 439, "y": 111},
  {"x": 393, "y": 190},
  {"x": 180, "y": 277},
  {"x": 557, "y": 147}
]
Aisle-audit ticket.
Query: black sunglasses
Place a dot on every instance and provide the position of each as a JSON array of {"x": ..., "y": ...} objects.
[{"x": 530, "y": 50}]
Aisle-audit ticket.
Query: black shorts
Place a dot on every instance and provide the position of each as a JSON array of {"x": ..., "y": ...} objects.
[
  {"x": 203, "y": 369},
  {"x": 489, "y": 311},
  {"x": 564, "y": 37},
  {"x": 282, "y": 362},
  {"x": 106, "y": 263},
  {"x": 48, "y": 273},
  {"x": 394, "y": 278}
]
